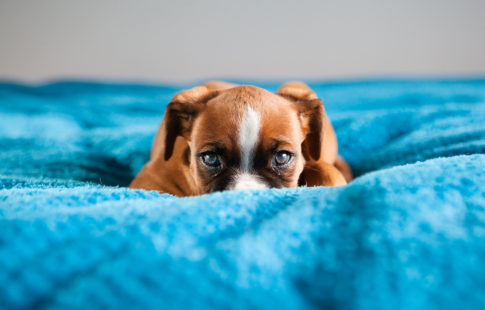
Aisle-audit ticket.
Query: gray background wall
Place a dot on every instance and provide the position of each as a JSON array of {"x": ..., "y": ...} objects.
[{"x": 186, "y": 40}]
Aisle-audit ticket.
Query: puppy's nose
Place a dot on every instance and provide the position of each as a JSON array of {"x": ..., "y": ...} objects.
[{"x": 247, "y": 181}]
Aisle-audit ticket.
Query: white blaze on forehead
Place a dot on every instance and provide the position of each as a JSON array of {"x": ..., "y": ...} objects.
[
  {"x": 248, "y": 140},
  {"x": 248, "y": 137}
]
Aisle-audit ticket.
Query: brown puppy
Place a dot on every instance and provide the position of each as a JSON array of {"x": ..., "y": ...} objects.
[{"x": 222, "y": 136}]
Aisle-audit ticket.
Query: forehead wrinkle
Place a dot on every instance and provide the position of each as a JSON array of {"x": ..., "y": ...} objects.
[
  {"x": 218, "y": 144},
  {"x": 280, "y": 141}
]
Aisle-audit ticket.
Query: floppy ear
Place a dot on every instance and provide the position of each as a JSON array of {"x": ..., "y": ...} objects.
[
  {"x": 312, "y": 116},
  {"x": 180, "y": 114}
]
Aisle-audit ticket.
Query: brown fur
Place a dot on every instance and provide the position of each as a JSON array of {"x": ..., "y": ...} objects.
[{"x": 206, "y": 118}]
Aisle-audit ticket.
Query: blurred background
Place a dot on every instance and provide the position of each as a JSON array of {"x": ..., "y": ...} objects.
[{"x": 186, "y": 41}]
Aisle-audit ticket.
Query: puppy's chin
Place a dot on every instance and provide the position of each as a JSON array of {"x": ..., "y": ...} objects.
[{"x": 247, "y": 181}]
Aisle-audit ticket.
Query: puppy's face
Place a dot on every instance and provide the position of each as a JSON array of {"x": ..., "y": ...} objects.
[{"x": 246, "y": 137}]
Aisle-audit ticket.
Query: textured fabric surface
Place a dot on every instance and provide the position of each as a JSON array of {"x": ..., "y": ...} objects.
[{"x": 408, "y": 233}]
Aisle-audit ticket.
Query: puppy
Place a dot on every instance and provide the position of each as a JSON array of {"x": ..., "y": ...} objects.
[{"x": 221, "y": 136}]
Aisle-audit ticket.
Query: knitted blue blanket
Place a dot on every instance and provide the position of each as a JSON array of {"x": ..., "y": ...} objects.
[{"x": 408, "y": 233}]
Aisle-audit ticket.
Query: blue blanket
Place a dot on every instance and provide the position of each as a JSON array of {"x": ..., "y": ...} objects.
[{"x": 408, "y": 233}]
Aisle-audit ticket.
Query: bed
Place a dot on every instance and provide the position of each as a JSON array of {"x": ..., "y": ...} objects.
[{"x": 407, "y": 233}]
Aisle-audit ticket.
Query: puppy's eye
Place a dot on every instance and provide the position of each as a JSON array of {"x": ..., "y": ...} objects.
[
  {"x": 282, "y": 158},
  {"x": 210, "y": 159}
]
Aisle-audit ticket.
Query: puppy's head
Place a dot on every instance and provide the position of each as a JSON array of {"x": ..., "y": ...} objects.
[{"x": 246, "y": 137}]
